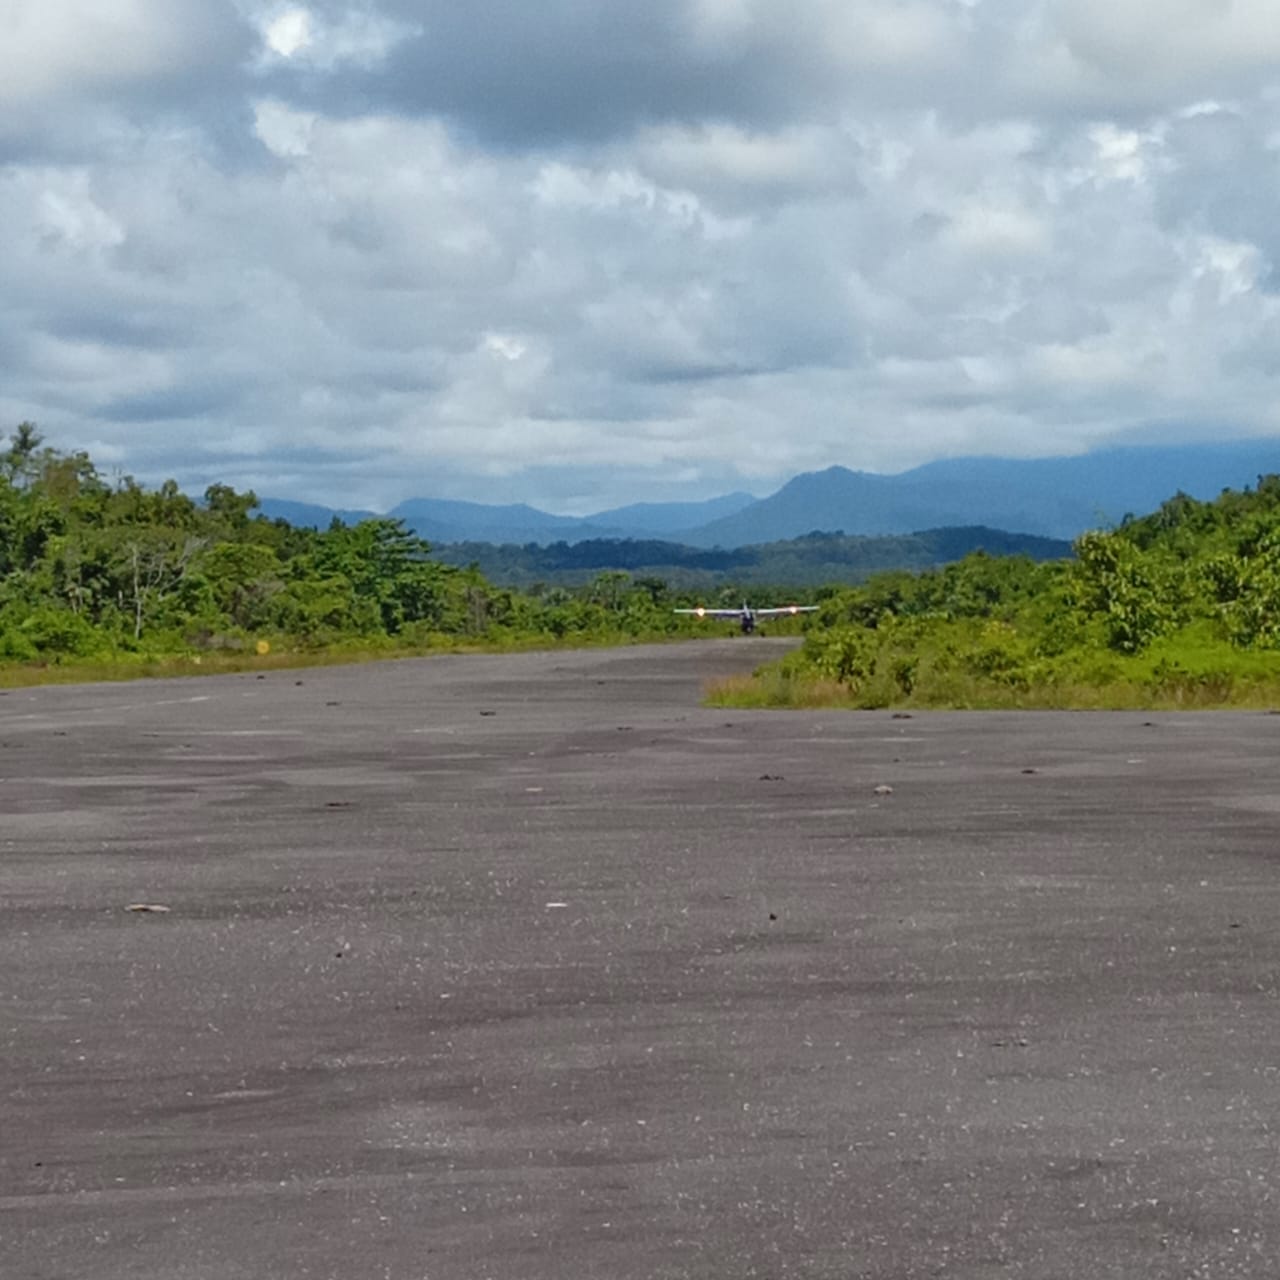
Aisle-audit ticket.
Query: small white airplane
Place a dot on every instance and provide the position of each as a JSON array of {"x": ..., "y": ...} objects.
[{"x": 747, "y": 616}]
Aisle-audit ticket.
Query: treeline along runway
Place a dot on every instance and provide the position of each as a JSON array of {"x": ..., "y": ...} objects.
[{"x": 529, "y": 967}]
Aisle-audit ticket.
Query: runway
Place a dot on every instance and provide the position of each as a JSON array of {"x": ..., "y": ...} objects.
[{"x": 531, "y": 968}]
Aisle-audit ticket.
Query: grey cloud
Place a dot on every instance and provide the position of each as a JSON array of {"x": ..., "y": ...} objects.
[
  {"x": 545, "y": 252},
  {"x": 186, "y": 403},
  {"x": 77, "y": 77},
  {"x": 558, "y": 71},
  {"x": 133, "y": 326},
  {"x": 745, "y": 171},
  {"x": 578, "y": 71},
  {"x": 1189, "y": 47},
  {"x": 1224, "y": 177},
  {"x": 1056, "y": 316}
]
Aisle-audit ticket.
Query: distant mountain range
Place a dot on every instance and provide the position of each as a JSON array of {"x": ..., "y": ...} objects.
[
  {"x": 442, "y": 520},
  {"x": 1048, "y": 497}
]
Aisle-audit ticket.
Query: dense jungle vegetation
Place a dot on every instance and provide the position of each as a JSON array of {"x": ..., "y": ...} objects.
[
  {"x": 1178, "y": 608},
  {"x": 102, "y": 578}
]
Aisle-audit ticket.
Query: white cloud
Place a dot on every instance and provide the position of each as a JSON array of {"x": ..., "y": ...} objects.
[
  {"x": 1120, "y": 153},
  {"x": 1184, "y": 41},
  {"x": 900, "y": 35},
  {"x": 59, "y": 48},
  {"x": 356, "y": 36},
  {"x": 628, "y": 192},
  {"x": 988, "y": 228},
  {"x": 283, "y": 131},
  {"x": 1131, "y": 55},
  {"x": 1233, "y": 268},
  {"x": 746, "y": 166},
  {"x": 288, "y": 33},
  {"x": 857, "y": 231},
  {"x": 505, "y": 345},
  {"x": 68, "y": 219}
]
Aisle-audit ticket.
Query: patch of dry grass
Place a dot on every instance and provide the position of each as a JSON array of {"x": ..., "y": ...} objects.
[
  {"x": 21, "y": 675},
  {"x": 770, "y": 688}
]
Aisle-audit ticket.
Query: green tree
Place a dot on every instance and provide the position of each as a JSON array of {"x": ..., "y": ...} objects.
[
  {"x": 17, "y": 463},
  {"x": 1132, "y": 594}
]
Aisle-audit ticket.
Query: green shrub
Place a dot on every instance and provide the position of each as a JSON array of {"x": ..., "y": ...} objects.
[{"x": 54, "y": 632}]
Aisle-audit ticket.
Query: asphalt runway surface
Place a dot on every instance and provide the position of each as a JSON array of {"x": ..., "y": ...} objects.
[{"x": 530, "y": 967}]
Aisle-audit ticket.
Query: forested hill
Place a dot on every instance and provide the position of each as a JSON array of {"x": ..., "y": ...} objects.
[
  {"x": 109, "y": 572},
  {"x": 1177, "y": 608},
  {"x": 813, "y": 560},
  {"x": 1182, "y": 604}
]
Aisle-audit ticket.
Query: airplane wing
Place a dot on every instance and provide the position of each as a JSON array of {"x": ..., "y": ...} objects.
[
  {"x": 789, "y": 609},
  {"x": 711, "y": 613}
]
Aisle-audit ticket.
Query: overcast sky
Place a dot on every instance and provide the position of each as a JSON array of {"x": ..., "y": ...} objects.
[{"x": 582, "y": 252}]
